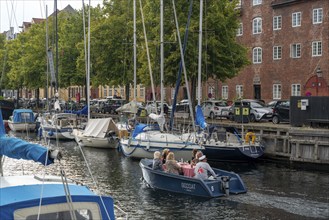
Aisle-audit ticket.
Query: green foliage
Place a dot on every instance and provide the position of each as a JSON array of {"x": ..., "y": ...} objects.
[{"x": 112, "y": 45}]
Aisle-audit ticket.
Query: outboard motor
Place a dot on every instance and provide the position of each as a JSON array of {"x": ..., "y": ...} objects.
[{"x": 226, "y": 184}]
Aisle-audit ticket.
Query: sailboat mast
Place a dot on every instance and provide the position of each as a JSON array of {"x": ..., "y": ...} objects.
[
  {"x": 56, "y": 43},
  {"x": 88, "y": 64},
  {"x": 135, "y": 53},
  {"x": 47, "y": 45},
  {"x": 200, "y": 53},
  {"x": 161, "y": 55}
]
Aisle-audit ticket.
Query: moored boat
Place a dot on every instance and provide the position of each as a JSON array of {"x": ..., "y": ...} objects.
[
  {"x": 146, "y": 139},
  {"x": 99, "y": 133},
  {"x": 226, "y": 144},
  {"x": 226, "y": 182},
  {"x": 22, "y": 120},
  {"x": 59, "y": 125}
]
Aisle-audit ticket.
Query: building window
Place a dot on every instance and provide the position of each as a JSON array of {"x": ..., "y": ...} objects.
[
  {"x": 225, "y": 92},
  {"x": 277, "y": 22},
  {"x": 257, "y": 55},
  {"x": 277, "y": 91},
  {"x": 142, "y": 92},
  {"x": 277, "y": 52},
  {"x": 316, "y": 48},
  {"x": 295, "y": 90},
  {"x": 256, "y": 2},
  {"x": 122, "y": 92},
  {"x": 257, "y": 25},
  {"x": 239, "y": 32},
  {"x": 239, "y": 91},
  {"x": 296, "y": 19},
  {"x": 105, "y": 91},
  {"x": 211, "y": 91},
  {"x": 317, "y": 16},
  {"x": 110, "y": 92},
  {"x": 295, "y": 50}
]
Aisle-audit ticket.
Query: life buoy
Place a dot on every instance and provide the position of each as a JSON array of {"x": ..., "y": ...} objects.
[{"x": 250, "y": 135}]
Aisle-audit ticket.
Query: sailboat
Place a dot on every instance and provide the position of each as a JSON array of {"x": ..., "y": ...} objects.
[
  {"x": 224, "y": 143},
  {"x": 146, "y": 138},
  {"x": 45, "y": 197}
]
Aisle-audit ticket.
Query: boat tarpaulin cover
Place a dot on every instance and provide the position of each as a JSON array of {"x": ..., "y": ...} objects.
[
  {"x": 23, "y": 116},
  {"x": 20, "y": 149},
  {"x": 99, "y": 127}
]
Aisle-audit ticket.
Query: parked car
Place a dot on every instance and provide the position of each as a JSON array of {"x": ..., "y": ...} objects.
[
  {"x": 281, "y": 112},
  {"x": 111, "y": 105},
  {"x": 215, "y": 108},
  {"x": 95, "y": 105},
  {"x": 257, "y": 110}
]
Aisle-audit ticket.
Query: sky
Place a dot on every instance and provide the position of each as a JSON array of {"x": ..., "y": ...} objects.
[{"x": 14, "y": 12}]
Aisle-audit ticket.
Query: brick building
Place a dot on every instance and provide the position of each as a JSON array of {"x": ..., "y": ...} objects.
[{"x": 288, "y": 42}]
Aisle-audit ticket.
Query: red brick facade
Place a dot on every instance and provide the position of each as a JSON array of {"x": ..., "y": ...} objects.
[{"x": 258, "y": 79}]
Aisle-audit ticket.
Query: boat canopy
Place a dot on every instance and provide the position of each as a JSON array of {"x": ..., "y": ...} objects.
[
  {"x": 130, "y": 107},
  {"x": 199, "y": 119},
  {"x": 28, "y": 196},
  {"x": 99, "y": 127},
  {"x": 23, "y": 115}
]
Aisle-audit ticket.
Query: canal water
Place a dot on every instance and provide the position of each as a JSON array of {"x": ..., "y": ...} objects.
[{"x": 274, "y": 191}]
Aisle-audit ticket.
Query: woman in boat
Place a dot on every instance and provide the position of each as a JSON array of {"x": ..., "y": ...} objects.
[
  {"x": 157, "y": 162},
  {"x": 201, "y": 169},
  {"x": 165, "y": 153},
  {"x": 196, "y": 155},
  {"x": 171, "y": 164}
]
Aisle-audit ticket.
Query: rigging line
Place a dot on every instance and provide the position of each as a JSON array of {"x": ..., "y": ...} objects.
[
  {"x": 93, "y": 179},
  {"x": 13, "y": 11},
  {"x": 148, "y": 53}
]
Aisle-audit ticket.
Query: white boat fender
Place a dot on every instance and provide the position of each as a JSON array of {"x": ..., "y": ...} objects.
[{"x": 226, "y": 184}]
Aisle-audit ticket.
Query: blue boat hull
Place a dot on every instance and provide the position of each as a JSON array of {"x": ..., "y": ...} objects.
[
  {"x": 181, "y": 184},
  {"x": 239, "y": 153}
]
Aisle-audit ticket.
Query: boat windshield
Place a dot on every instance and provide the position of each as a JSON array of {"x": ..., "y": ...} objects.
[{"x": 82, "y": 211}]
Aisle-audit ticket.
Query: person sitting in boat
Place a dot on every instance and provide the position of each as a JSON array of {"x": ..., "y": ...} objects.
[
  {"x": 201, "y": 169},
  {"x": 196, "y": 156},
  {"x": 157, "y": 162},
  {"x": 171, "y": 164},
  {"x": 165, "y": 153}
]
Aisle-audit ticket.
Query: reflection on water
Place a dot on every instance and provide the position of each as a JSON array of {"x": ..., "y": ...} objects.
[{"x": 274, "y": 192}]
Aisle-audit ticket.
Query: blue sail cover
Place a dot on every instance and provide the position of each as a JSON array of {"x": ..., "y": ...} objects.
[
  {"x": 19, "y": 149},
  {"x": 199, "y": 119},
  {"x": 23, "y": 115},
  {"x": 83, "y": 111}
]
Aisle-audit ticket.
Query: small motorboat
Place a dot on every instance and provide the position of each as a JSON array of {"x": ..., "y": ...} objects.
[
  {"x": 225, "y": 183},
  {"x": 22, "y": 120}
]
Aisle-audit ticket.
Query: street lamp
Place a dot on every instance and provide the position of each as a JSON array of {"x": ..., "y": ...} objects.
[{"x": 318, "y": 74}]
